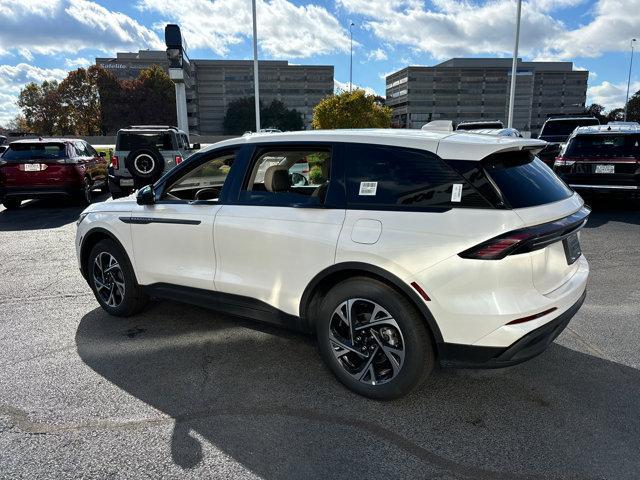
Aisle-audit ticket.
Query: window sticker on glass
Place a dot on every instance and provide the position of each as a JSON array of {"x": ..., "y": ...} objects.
[
  {"x": 368, "y": 188},
  {"x": 456, "y": 192}
]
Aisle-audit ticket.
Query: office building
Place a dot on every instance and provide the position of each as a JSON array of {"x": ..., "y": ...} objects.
[
  {"x": 212, "y": 84},
  {"x": 465, "y": 89}
]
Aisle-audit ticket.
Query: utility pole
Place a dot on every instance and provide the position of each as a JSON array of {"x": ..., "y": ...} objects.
[
  {"x": 514, "y": 67},
  {"x": 629, "y": 80},
  {"x": 256, "y": 87},
  {"x": 351, "y": 57}
]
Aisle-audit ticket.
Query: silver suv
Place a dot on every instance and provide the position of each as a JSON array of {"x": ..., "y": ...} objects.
[{"x": 143, "y": 153}]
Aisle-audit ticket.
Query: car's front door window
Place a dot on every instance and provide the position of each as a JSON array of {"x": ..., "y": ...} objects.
[{"x": 203, "y": 182}]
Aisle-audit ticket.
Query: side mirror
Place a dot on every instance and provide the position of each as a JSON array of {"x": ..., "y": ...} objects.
[
  {"x": 102, "y": 154},
  {"x": 196, "y": 146},
  {"x": 146, "y": 196}
]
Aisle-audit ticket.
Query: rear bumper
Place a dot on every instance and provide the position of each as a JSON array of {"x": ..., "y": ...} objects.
[
  {"x": 49, "y": 191},
  {"x": 527, "y": 347},
  {"x": 602, "y": 182}
]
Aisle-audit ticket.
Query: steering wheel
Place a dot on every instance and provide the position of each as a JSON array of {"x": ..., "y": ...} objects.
[{"x": 208, "y": 193}]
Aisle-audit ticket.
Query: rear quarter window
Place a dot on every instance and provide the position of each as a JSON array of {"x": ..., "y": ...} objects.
[
  {"x": 383, "y": 177},
  {"x": 524, "y": 180}
]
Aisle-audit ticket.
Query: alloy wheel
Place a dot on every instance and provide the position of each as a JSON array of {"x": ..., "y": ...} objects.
[
  {"x": 108, "y": 279},
  {"x": 366, "y": 341}
]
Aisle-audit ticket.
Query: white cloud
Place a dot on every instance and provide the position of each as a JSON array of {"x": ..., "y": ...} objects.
[
  {"x": 613, "y": 25},
  {"x": 611, "y": 95},
  {"x": 339, "y": 86},
  {"x": 54, "y": 26},
  {"x": 79, "y": 62},
  {"x": 378, "y": 55},
  {"x": 284, "y": 29},
  {"x": 450, "y": 28},
  {"x": 13, "y": 78}
]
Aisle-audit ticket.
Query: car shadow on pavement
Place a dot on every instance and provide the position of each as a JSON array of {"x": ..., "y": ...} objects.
[
  {"x": 262, "y": 396},
  {"x": 42, "y": 214},
  {"x": 612, "y": 209}
]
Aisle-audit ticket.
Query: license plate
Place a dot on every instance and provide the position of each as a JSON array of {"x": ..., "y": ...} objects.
[
  {"x": 605, "y": 168},
  {"x": 572, "y": 248},
  {"x": 32, "y": 167},
  {"x": 126, "y": 182}
]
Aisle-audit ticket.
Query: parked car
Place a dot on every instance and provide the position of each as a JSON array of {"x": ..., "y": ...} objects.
[
  {"x": 3, "y": 148},
  {"x": 143, "y": 153},
  {"x": 556, "y": 131},
  {"x": 3, "y": 139},
  {"x": 603, "y": 157},
  {"x": 395, "y": 256},
  {"x": 44, "y": 167},
  {"x": 481, "y": 124}
]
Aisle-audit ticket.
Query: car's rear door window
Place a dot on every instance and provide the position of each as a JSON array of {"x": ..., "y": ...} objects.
[
  {"x": 524, "y": 180},
  {"x": 385, "y": 177}
]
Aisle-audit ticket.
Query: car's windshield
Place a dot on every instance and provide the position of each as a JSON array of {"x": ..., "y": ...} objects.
[
  {"x": 133, "y": 140},
  {"x": 35, "y": 151},
  {"x": 605, "y": 145},
  {"x": 564, "y": 128}
]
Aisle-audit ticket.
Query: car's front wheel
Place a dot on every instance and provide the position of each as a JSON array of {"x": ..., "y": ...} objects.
[
  {"x": 113, "y": 281},
  {"x": 373, "y": 339}
]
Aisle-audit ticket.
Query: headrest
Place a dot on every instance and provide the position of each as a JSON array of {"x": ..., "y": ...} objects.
[{"x": 276, "y": 179}]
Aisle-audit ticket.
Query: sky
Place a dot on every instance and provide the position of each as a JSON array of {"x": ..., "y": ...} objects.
[{"x": 44, "y": 39}]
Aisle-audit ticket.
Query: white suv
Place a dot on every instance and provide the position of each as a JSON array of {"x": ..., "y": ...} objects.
[{"x": 403, "y": 249}]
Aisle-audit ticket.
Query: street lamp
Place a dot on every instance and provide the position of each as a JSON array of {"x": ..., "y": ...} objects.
[
  {"x": 256, "y": 89},
  {"x": 351, "y": 57},
  {"x": 514, "y": 67},
  {"x": 629, "y": 80},
  {"x": 178, "y": 72}
]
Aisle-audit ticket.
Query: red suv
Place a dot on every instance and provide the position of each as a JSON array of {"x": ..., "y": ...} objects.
[{"x": 45, "y": 168}]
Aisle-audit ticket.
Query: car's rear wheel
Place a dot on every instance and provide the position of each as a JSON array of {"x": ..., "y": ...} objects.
[
  {"x": 373, "y": 339},
  {"x": 113, "y": 281},
  {"x": 11, "y": 203}
]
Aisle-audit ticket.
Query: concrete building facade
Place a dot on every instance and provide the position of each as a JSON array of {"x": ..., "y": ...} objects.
[
  {"x": 213, "y": 84},
  {"x": 465, "y": 89}
]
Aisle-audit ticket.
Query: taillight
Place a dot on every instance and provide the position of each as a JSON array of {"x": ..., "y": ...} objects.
[
  {"x": 178, "y": 159},
  {"x": 528, "y": 239},
  {"x": 115, "y": 162},
  {"x": 497, "y": 248},
  {"x": 563, "y": 162}
]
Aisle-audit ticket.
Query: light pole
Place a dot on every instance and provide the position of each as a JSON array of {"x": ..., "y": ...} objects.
[
  {"x": 629, "y": 80},
  {"x": 256, "y": 88},
  {"x": 351, "y": 57},
  {"x": 514, "y": 67}
]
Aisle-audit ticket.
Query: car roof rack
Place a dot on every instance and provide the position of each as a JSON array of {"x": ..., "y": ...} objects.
[{"x": 147, "y": 127}]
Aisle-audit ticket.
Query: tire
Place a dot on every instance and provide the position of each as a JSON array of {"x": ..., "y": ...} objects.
[
  {"x": 146, "y": 165},
  {"x": 111, "y": 277},
  {"x": 85, "y": 194},
  {"x": 11, "y": 203},
  {"x": 403, "y": 337}
]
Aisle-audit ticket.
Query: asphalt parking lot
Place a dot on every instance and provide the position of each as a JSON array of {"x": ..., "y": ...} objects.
[{"x": 180, "y": 392}]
